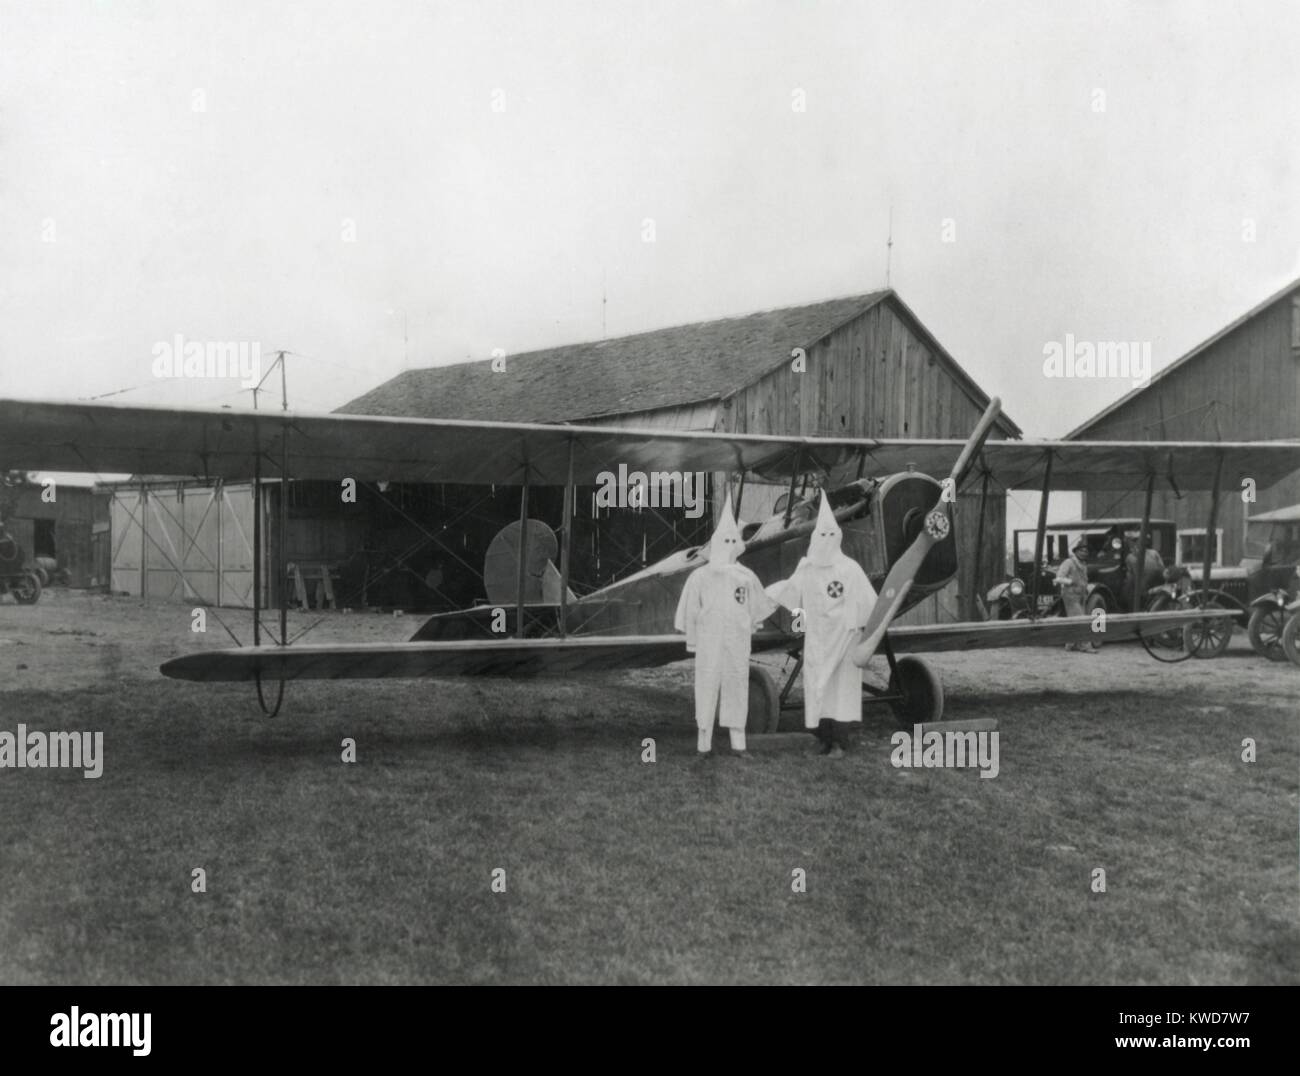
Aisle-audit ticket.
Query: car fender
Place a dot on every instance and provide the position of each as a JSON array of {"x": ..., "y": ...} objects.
[{"x": 998, "y": 592}]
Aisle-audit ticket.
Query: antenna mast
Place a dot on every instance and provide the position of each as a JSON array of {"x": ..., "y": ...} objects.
[{"x": 889, "y": 245}]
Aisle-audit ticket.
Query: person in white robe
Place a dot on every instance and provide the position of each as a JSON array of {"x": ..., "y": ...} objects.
[
  {"x": 720, "y": 606},
  {"x": 835, "y": 598}
]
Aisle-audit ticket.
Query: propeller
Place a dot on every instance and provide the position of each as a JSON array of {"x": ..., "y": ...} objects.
[{"x": 937, "y": 524}]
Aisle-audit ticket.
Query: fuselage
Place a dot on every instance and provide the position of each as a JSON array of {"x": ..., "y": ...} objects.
[{"x": 879, "y": 520}]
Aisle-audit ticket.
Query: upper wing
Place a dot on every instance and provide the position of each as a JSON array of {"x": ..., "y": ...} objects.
[
  {"x": 1053, "y": 631},
  {"x": 211, "y": 443}
]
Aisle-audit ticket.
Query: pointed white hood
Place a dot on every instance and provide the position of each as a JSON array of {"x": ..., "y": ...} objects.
[
  {"x": 726, "y": 545},
  {"x": 824, "y": 543}
]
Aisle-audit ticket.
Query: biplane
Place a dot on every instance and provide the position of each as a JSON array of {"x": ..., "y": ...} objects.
[{"x": 896, "y": 516}]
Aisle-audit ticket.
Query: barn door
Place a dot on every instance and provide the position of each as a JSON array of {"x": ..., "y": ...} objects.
[
  {"x": 199, "y": 555},
  {"x": 235, "y": 516},
  {"x": 127, "y": 560}
]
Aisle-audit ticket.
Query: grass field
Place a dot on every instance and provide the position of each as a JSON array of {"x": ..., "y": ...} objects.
[{"x": 622, "y": 871}]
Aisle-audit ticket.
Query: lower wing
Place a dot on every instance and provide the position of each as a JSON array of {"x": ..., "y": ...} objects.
[
  {"x": 1053, "y": 631},
  {"x": 534, "y": 657}
]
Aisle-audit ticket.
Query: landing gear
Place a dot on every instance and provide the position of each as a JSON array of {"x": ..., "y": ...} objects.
[
  {"x": 914, "y": 692},
  {"x": 764, "y": 702},
  {"x": 917, "y": 691}
]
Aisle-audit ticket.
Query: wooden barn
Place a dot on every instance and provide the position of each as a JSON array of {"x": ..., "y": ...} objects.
[
  {"x": 871, "y": 369},
  {"x": 1242, "y": 384},
  {"x": 63, "y": 522}
]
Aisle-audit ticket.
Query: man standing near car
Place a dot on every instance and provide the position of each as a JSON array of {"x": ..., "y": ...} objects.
[
  {"x": 1154, "y": 568},
  {"x": 1072, "y": 578}
]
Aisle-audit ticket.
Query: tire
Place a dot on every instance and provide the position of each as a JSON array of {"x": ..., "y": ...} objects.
[
  {"x": 1208, "y": 642},
  {"x": 27, "y": 588},
  {"x": 1171, "y": 639},
  {"x": 1265, "y": 631},
  {"x": 923, "y": 688},
  {"x": 764, "y": 702},
  {"x": 1291, "y": 639}
]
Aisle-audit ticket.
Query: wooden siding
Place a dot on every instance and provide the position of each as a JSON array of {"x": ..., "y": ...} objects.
[
  {"x": 1244, "y": 387},
  {"x": 877, "y": 377}
]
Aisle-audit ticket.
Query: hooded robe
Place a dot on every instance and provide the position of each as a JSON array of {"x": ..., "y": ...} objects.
[
  {"x": 836, "y": 598},
  {"x": 721, "y": 605}
]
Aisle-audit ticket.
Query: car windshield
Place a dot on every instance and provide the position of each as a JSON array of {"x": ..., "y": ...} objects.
[
  {"x": 1279, "y": 543},
  {"x": 1101, "y": 542}
]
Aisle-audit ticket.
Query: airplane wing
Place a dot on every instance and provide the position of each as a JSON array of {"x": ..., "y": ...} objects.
[
  {"x": 1052, "y": 631},
  {"x": 557, "y": 657},
  {"x": 221, "y": 443},
  {"x": 462, "y": 657}
]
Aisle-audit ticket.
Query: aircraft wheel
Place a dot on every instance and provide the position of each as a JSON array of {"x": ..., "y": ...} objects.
[
  {"x": 922, "y": 692},
  {"x": 1208, "y": 639},
  {"x": 1291, "y": 639},
  {"x": 27, "y": 589},
  {"x": 1265, "y": 631},
  {"x": 764, "y": 702}
]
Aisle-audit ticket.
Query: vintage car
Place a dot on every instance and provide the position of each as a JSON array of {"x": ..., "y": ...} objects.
[
  {"x": 17, "y": 574},
  {"x": 1110, "y": 585},
  {"x": 1267, "y": 581}
]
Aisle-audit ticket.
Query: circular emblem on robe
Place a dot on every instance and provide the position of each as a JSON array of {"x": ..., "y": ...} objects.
[
  {"x": 834, "y": 588},
  {"x": 936, "y": 523},
  {"x": 740, "y": 595}
]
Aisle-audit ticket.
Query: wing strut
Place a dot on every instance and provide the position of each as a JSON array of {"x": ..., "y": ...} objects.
[
  {"x": 282, "y": 545},
  {"x": 794, "y": 478},
  {"x": 978, "y": 604},
  {"x": 1140, "y": 568},
  {"x": 567, "y": 532},
  {"x": 523, "y": 555},
  {"x": 1209, "y": 526},
  {"x": 1039, "y": 532},
  {"x": 257, "y": 534}
]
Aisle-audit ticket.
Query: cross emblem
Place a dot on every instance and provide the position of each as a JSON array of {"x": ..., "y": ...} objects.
[
  {"x": 740, "y": 595},
  {"x": 834, "y": 588}
]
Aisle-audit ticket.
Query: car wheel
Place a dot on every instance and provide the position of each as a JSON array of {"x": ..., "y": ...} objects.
[
  {"x": 1291, "y": 639},
  {"x": 1265, "y": 631},
  {"x": 1172, "y": 639},
  {"x": 27, "y": 588},
  {"x": 1208, "y": 638}
]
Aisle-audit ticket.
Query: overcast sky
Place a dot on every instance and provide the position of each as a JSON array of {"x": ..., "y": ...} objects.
[{"x": 375, "y": 185}]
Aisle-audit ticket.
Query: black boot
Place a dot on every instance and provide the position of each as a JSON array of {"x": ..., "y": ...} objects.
[{"x": 826, "y": 734}]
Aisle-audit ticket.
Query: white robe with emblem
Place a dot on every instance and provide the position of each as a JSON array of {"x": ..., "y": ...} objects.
[
  {"x": 836, "y": 598},
  {"x": 719, "y": 609},
  {"x": 836, "y": 601}
]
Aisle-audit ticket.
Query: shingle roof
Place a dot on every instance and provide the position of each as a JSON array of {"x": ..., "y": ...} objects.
[
  {"x": 661, "y": 368},
  {"x": 686, "y": 364}
]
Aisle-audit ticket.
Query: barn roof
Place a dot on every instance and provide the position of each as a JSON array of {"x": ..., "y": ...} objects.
[
  {"x": 670, "y": 367},
  {"x": 1199, "y": 349}
]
